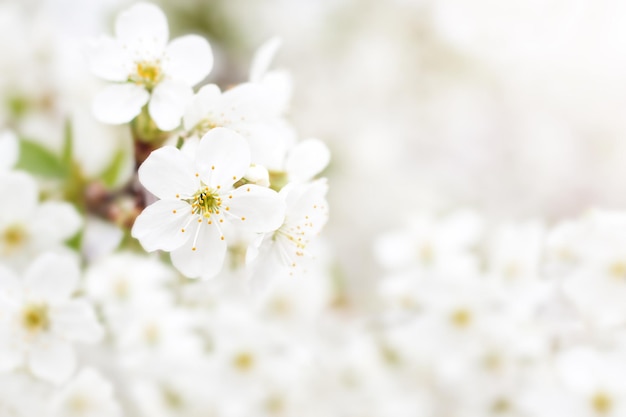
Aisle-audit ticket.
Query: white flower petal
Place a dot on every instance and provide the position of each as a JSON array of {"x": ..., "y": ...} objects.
[
  {"x": 10, "y": 285},
  {"x": 580, "y": 369},
  {"x": 188, "y": 59},
  {"x": 168, "y": 103},
  {"x": 307, "y": 159},
  {"x": 56, "y": 222},
  {"x": 205, "y": 100},
  {"x": 278, "y": 89},
  {"x": 263, "y": 58},
  {"x": 143, "y": 30},
  {"x": 10, "y": 357},
  {"x": 51, "y": 278},
  {"x": 223, "y": 157},
  {"x": 52, "y": 359},
  {"x": 207, "y": 260},
  {"x": 76, "y": 321},
  {"x": 168, "y": 172},
  {"x": 119, "y": 103},
  {"x": 306, "y": 205},
  {"x": 24, "y": 194},
  {"x": 9, "y": 150},
  {"x": 159, "y": 225},
  {"x": 108, "y": 60},
  {"x": 262, "y": 208}
]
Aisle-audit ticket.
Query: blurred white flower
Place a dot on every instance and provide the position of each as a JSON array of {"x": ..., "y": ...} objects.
[
  {"x": 41, "y": 320},
  {"x": 13, "y": 402},
  {"x": 176, "y": 388},
  {"x": 588, "y": 383},
  {"x": 515, "y": 252},
  {"x": 147, "y": 69},
  {"x": 28, "y": 227},
  {"x": 122, "y": 282},
  {"x": 86, "y": 395},
  {"x": 430, "y": 244},
  {"x": 597, "y": 286},
  {"x": 198, "y": 199}
]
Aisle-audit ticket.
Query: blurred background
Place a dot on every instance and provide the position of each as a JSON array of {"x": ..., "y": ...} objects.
[{"x": 512, "y": 108}]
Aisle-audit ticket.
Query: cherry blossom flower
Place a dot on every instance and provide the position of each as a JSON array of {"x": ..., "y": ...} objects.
[
  {"x": 147, "y": 69},
  {"x": 27, "y": 227},
  {"x": 87, "y": 395},
  {"x": 198, "y": 199},
  {"x": 306, "y": 215},
  {"x": 40, "y": 319}
]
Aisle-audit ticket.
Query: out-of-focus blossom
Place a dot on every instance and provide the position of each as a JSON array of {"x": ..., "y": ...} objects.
[
  {"x": 41, "y": 320},
  {"x": 28, "y": 227},
  {"x": 86, "y": 395}
]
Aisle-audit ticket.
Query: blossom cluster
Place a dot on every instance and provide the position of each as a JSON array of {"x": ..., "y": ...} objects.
[
  {"x": 514, "y": 319},
  {"x": 159, "y": 249},
  {"x": 89, "y": 299}
]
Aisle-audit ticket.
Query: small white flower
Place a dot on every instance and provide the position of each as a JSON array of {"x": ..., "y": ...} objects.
[
  {"x": 306, "y": 215},
  {"x": 589, "y": 383},
  {"x": 198, "y": 199},
  {"x": 40, "y": 319},
  {"x": 87, "y": 395},
  {"x": 147, "y": 68},
  {"x": 122, "y": 282},
  {"x": 27, "y": 227},
  {"x": 433, "y": 245}
]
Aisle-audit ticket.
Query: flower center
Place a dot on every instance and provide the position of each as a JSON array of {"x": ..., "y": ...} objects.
[
  {"x": 147, "y": 73},
  {"x": 172, "y": 398},
  {"x": 601, "y": 403},
  {"x": 205, "y": 202},
  {"x": 14, "y": 237},
  {"x": 243, "y": 361},
  {"x": 78, "y": 405},
  {"x": 461, "y": 318},
  {"x": 35, "y": 318},
  {"x": 618, "y": 270}
]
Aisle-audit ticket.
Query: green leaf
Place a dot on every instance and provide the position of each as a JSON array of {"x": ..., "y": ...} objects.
[
  {"x": 38, "y": 160},
  {"x": 76, "y": 241},
  {"x": 112, "y": 173}
]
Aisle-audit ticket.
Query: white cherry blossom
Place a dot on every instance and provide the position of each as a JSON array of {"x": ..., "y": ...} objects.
[
  {"x": 40, "y": 320},
  {"x": 306, "y": 215},
  {"x": 198, "y": 199},
  {"x": 89, "y": 394},
  {"x": 146, "y": 68},
  {"x": 28, "y": 227}
]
